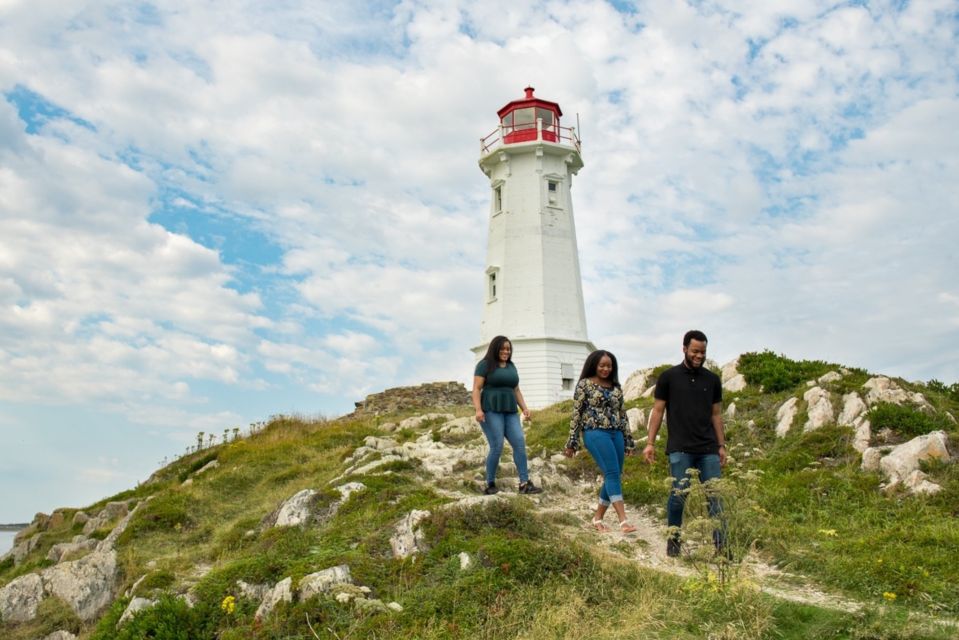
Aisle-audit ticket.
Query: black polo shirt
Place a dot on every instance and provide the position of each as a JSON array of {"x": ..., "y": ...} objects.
[{"x": 690, "y": 395}]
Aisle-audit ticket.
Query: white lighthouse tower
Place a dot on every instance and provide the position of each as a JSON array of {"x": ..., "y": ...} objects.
[{"x": 534, "y": 293}]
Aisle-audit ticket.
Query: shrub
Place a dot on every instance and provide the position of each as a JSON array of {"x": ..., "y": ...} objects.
[
  {"x": 778, "y": 373},
  {"x": 905, "y": 420}
]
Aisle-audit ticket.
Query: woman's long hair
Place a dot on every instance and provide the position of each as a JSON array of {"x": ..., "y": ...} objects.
[
  {"x": 492, "y": 353},
  {"x": 592, "y": 363}
]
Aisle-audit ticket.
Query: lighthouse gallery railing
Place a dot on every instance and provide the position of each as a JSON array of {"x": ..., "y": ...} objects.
[{"x": 524, "y": 133}]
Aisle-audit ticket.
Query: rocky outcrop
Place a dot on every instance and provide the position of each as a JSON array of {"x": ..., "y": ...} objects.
[
  {"x": 297, "y": 509},
  {"x": 637, "y": 383},
  {"x": 87, "y": 584},
  {"x": 323, "y": 581},
  {"x": 407, "y": 539},
  {"x": 903, "y": 461},
  {"x": 63, "y": 550},
  {"x": 111, "y": 512},
  {"x": 136, "y": 605},
  {"x": 785, "y": 416},
  {"x": 819, "y": 409},
  {"x": 60, "y": 635},
  {"x": 20, "y": 598},
  {"x": 433, "y": 394},
  {"x": 637, "y": 420},
  {"x": 852, "y": 408},
  {"x": 282, "y": 592},
  {"x": 882, "y": 389}
]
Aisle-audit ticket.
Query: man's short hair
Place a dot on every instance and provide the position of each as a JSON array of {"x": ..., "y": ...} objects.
[{"x": 694, "y": 334}]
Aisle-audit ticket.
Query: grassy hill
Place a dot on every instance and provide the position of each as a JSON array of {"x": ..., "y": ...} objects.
[{"x": 819, "y": 549}]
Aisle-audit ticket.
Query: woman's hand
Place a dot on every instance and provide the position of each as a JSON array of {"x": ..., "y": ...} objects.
[
  {"x": 525, "y": 413},
  {"x": 480, "y": 416},
  {"x": 569, "y": 452}
]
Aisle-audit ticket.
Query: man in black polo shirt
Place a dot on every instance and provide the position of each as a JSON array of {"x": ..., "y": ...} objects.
[{"x": 692, "y": 398}]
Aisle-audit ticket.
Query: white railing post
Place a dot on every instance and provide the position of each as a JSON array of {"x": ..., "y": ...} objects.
[{"x": 539, "y": 128}]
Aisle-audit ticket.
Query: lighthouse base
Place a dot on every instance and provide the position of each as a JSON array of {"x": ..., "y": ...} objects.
[{"x": 548, "y": 368}]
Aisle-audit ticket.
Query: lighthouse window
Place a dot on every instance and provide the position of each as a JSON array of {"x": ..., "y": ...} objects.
[
  {"x": 492, "y": 286},
  {"x": 546, "y": 116},
  {"x": 524, "y": 119},
  {"x": 498, "y": 199}
]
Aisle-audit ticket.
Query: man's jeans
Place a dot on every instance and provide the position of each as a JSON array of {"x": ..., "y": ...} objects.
[
  {"x": 606, "y": 447},
  {"x": 497, "y": 427},
  {"x": 709, "y": 468}
]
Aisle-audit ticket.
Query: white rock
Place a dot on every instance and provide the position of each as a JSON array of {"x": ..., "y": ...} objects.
[
  {"x": 729, "y": 371},
  {"x": 852, "y": 408},
  {"x": 465, "y": 561},
  {"x": 917, "y": 482},
  {"x": 785, "y": 415},
  {"x": 60, "y": 635},
  {"x": 209, "y": 466},
  {"x": 87, "y": 584},
  {"x": 905, "y": 458},
  {"x": 832, "y": 376},
  {"x": 870, "y": 459},
  {"x": 637, "y": 419},
  {"x": 731, "y": 410},
  {"x": 282, "y": 592},
  {"x": 407, "y": 539},
  {"x": 348, "y": 489},
  {"x": 882, "y": 389},
  {"x": 20, "y": 598},
  {"x": 649, "y": 392},
  {"x": 24, "y": 548},
  {"x": 136, "y": 605},
  {"x": 863, "y": 435},
  {"x": 255, "y": 592},
  {"x": 62, "y": 549},
  {"x": 296, "y": 510},
  {"x": 395, "y": 606},
  {"x": 736, "y": 383},
  {"x": 415, "y": 421},
  {"x": 636, "y": 383},
  {"x": 819, "y": 409},
  {"x": 461, "y": 426},
  {"x": 324, "y": 581}
]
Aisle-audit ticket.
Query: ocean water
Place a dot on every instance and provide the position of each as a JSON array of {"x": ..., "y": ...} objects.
[{"x": 6, "y": 541}]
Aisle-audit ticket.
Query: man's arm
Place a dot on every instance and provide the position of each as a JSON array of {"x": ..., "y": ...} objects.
[
  {"x": 655, "y": 420},
  {"x": 717, "y": 419}
]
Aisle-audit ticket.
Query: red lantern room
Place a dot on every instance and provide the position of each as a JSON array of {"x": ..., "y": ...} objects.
[
  {"x": 520, "y": 119},
  {"x": 529, "y": 119}
]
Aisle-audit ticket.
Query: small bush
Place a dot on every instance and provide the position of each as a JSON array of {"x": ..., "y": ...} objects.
[
  {"x": 778, "y": 373},
  {"x": 167, "y": 512},
  {"x": 905, "y": 420}
]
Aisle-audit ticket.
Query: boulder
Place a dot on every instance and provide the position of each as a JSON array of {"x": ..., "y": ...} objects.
[
  {"x": 296, "y": 510},
  {"x": 407, "y": 539},
  {"x": 23, "y": 549},
  {"x": 60, "y": 635},
  {"x": 282, "y": 592},
  {"x": 852, "y": 408},
  {"x": 461, "y": 426},
  {"x": 736, "y": 383},
  {"x": 466, "y": 561},
  {"x": 918, "y": 482},
  {"x": 255, "y": 592},
  {"x": 87, "y": 584},
  {"x": 870, "y": 459},
  {"x": 785, "y": 415},
  {"x": 731, "y": 410},
  {"x": 637, "y": 419},
  {"x": 80, "y": 517},
  {"x": 882, "y": 389},
  {"x": 415, "y": 421},
  {"x": 636, "y": 384},
  {"x": 20, "y": 598},
  {"x": 905, "y": 458},
  {"x": 832, "y": 376},
  {"x": 60, "y": 550},
  {"x": 863, "y": 435},
  {"x": 136, "y": 605},
  {"x": 729, "y": 371},
  {"x": 323, "y": 581},
  {"x": 819, "y": 409},
  {"x": 209, "y": 466}
]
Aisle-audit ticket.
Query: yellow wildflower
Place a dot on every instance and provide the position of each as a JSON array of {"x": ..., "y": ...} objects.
[
  {"x": 228, "y": 605},
  {"x": 828, "y": 532},
  {"x": 888, "y": 595}
]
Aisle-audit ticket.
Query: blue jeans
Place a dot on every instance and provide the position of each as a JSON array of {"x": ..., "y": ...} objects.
[
  {"x": 607, "y": 448},
  {"x": 709, "y": 468},
  {"x": 497, "y": 427}
]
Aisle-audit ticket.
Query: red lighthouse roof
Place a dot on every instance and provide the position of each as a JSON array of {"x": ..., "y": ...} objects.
[{"x": 519, "y": 119}]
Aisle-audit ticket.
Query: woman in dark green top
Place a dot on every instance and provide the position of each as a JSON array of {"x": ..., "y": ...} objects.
[{"x": 496, "y": 397}]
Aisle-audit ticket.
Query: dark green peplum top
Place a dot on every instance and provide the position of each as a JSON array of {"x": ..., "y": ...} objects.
[{"x": 498, "y": 392}]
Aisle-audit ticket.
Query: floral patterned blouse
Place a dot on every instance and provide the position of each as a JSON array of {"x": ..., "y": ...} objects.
[{"x": 595, "y": 407}]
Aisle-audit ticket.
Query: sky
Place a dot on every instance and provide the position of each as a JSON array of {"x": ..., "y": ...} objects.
[{"x": 215, "y": 212}]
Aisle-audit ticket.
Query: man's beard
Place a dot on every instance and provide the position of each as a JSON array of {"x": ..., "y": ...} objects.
[{"x": 691, "y": 365}]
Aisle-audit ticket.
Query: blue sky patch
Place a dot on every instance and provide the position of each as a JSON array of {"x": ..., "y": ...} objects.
[{"x": 36, "y": 111}]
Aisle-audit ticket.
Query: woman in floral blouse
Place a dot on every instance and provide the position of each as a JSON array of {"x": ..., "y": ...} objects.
[{"x": 599, "y": 416}]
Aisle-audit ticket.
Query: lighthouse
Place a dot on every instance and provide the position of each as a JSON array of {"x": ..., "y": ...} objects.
[{"x": 534, "y": 292}]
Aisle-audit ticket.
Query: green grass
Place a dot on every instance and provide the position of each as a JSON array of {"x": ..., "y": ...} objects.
[{"x": 801, "y": 500}]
